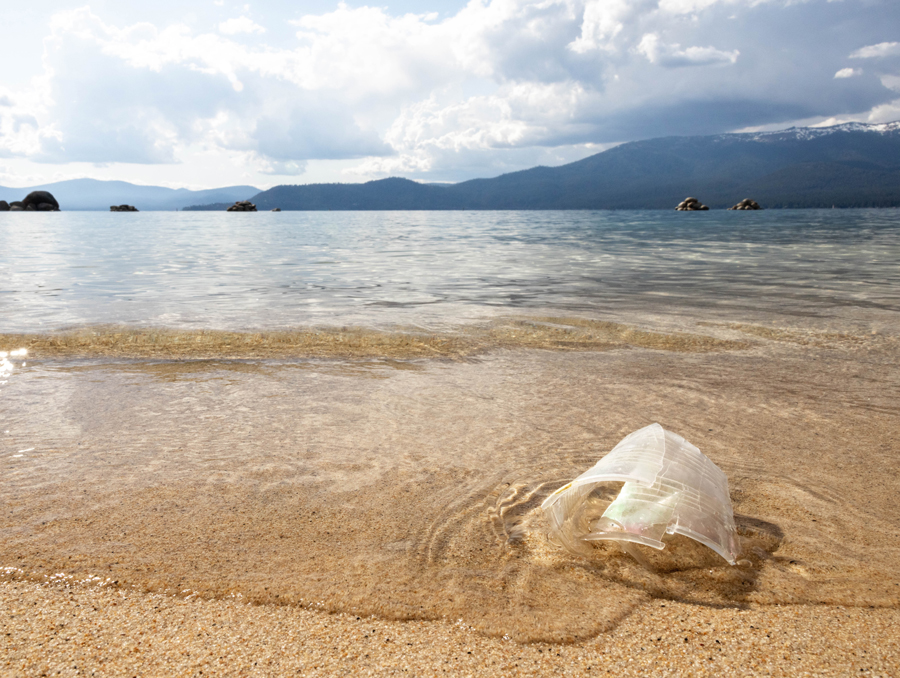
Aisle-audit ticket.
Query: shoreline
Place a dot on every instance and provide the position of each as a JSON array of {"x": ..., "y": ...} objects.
[{"x": 413, "y": 470}]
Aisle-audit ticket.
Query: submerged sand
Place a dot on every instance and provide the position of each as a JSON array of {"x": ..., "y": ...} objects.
[
  {"x": 405, "y": 491},
  {"x": 457, "y": 342}
]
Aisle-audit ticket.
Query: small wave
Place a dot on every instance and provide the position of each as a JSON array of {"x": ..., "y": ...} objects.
[{"x": 549, "y": 333}]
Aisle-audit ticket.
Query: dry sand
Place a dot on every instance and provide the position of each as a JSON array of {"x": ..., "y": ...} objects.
[
  {"x": 406, "y": 492},
  {"x": 56, "y": 630}
]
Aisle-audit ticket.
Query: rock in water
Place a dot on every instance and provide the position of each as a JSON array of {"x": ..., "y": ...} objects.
[
  {"x": 691, "y": 205},
  {"x": 123, "y": 208},
  {"x": 40, "y": 201},
  {"x": 242, "y": 206},
  {"x": 746, "y": 204},
  {"x": 16, "y": 206},
  {"x": 4, "y": 206}
]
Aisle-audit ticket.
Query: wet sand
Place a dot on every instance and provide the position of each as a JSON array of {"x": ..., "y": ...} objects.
[{"x": 405, "y": 491}]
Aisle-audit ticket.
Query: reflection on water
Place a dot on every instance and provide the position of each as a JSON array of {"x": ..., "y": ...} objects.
[
  {"x": 7, "y": 364},
  {"x": 286, "y": 269}
]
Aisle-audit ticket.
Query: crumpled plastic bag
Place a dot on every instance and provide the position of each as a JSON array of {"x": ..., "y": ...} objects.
[{"x": 670, "y": 487}]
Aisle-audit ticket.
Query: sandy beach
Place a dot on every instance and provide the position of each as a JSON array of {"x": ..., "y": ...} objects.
[{"x": 81, "y": 631}]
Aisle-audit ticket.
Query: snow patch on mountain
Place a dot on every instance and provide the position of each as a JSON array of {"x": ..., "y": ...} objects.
[{"x": 808, "y": 133}]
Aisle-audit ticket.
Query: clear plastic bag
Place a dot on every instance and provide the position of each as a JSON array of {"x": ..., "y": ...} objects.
[{"x": 670, "y": 488}]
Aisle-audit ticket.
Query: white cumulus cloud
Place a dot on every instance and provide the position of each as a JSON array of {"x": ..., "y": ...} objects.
[
  {"x": 240, "y": 24},
  {"x": 882, "y": 49},
  {"x": 672, "y": 56},
  {"x": 605, "y": 21},
  {"x": 847, "y": 73}
]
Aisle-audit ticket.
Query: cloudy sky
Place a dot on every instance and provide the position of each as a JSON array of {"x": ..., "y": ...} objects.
[{"x": 204, "y": 93}]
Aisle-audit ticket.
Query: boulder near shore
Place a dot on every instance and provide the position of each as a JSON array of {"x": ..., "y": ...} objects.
[
  {"x": 123, "y": 208},
  {"x": 36, "y": 201},
  {"x": 242, "y": 206},
  {"x": 746, "y": 204},
  {"x": 691, "y": 205}
]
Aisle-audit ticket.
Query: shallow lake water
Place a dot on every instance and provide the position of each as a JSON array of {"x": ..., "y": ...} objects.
[{"x": 406, "y": 483}]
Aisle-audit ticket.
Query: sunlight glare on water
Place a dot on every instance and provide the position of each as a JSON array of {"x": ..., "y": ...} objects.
[
  {"x": 207, "y": 269},
  {"x": 6, "y": 361}
]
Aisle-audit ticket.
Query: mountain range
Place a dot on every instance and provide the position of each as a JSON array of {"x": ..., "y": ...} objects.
[
  {"x": 91, "y": 194},
  {"x": 848, "y": 165}
]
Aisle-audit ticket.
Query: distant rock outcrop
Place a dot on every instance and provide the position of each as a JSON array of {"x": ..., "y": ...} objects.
[
  {"x": 242, "y": 206},
  {"x": 690, "y": 205},
  {"x": 276, "y": 209},
  {"x": 40, "y": 201},
  {"x": 746, "y": 204},
  {"x": 123, "y": 208},
  {"x": 36, "y": 201}
]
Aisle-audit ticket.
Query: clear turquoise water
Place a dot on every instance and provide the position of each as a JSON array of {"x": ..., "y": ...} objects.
[{"x": 265, "y": 270}]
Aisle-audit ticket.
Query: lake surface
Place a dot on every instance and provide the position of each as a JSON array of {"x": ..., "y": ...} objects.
[
  {"x": 276, "y": 270},
  {"x": 393, "y": 461}
]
